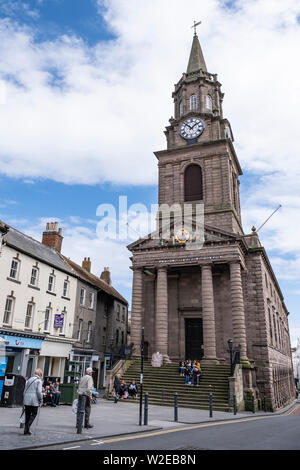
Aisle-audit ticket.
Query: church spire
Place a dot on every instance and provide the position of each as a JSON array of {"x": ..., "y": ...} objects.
[{"x": 196, "y": 61}]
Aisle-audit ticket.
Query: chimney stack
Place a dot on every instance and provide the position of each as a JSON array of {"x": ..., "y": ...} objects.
[
  {"x": 86, "y": 264},
  {"x": 105, "y": 276},
  {"x": 52, "y": 237}
]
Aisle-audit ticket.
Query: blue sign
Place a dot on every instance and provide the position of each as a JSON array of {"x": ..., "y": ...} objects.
[
  {"x": 3, "y": 363},
  {"x": 21, "y": 342}
]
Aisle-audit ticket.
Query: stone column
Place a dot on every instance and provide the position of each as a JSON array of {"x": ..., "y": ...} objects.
[
  {"x": 161, "y": 321},
  {"x": 208, "y": 314},
  {"x": 137, "y": 311},
  {"x": 237, "y": 308}
]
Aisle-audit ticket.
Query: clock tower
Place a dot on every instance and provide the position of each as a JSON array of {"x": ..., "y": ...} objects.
[
  {"x": 193, "y": 297},
  {"x": 200, "y": 163}
]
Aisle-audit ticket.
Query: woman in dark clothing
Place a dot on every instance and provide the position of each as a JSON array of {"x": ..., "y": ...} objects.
[{"x": 117, "y": 387}]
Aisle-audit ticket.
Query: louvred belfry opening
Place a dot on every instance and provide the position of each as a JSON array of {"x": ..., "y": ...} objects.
[{"x": 193, "y": 185}]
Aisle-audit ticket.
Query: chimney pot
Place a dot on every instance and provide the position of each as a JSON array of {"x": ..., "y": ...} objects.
[
  {"x": 105, "y": 276},
  {"x": 53, "y": 238},
  {"x": 86, "y": 264}
]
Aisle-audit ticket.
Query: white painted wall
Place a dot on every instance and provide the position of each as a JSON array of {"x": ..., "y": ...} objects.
[{"x": 23, "y": 294}]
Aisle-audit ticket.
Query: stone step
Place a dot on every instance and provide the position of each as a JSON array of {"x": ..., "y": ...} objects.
[
  {"x": 174, "y": 382},
  {"x": 204, "y": 405},
  {"x": 161, "y": 384}
]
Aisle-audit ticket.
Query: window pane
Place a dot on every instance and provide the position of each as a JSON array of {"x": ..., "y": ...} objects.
[
  {"x": 181, "y": 108},
  {"x": 47, "y": 319},
  {"x": 34, "y": 276},
  {"x": 14, "y": 269},
  {"x": 89, "y": 331},
  {"x": 51, "y": 283},
  {"x": 193, "y": 102},
  {"x": 79, "y": 329},
  {"x": 66, "y": 289},
  {"x": 82, "y": 296},
  {"x": 29, "y": 314},
  {"x": 208, "y": 102},
  {"x": 8, "y": 311}
]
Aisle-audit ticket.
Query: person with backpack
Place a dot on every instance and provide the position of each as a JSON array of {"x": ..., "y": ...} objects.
[{"x": 33, "y": 398}]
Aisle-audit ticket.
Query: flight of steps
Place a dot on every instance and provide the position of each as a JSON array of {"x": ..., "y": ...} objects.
[{"x": 162, "y": 382}]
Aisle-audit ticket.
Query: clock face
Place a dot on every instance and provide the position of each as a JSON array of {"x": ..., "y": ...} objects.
[{"x": 192, "y": 128}]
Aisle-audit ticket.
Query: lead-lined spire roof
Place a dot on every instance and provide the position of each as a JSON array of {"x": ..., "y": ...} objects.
[{"x": 196, "y": 61}]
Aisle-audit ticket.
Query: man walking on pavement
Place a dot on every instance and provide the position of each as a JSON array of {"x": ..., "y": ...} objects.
[
  {"x": 33, "y": 398},
  {"x": 85, "y": 391}
]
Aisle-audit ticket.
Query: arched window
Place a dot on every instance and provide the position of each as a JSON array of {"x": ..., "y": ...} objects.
[
  {"x": 193, "y": 102},
  {"x": 180, "y": 108},
  {"x": 193, "y": 184},
  {"x": 208, "y": 102}
]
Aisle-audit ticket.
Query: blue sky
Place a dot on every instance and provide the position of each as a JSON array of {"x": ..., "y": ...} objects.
[{"x": 83, "y": 108}]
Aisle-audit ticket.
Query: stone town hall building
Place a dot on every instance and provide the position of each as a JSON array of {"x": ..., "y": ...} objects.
[{"x": 192, "y": 301}]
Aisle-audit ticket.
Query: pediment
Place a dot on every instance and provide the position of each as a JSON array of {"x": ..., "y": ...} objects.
[{"x": 211, "y": 235}]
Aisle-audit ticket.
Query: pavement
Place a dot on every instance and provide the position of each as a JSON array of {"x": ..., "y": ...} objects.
[{"x": 57, "y": 425}]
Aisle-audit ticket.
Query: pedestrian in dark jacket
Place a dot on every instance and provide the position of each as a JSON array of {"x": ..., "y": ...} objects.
[
  {"x": 33, "y": 398},
  {"x": 187, "y": 374},
  {"x": 133, "y": 389},
  {"x": 117, "y": 387}
]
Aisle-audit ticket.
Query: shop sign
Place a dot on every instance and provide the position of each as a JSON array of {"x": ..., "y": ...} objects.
[
  {"x": 59, "y": 320},
  {"x": 22, "y": 342}
]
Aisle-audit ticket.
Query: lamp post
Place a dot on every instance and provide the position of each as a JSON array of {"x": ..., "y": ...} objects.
[
  {"x": 142, "y": 373},
  {"x": 230, "y": 346}
]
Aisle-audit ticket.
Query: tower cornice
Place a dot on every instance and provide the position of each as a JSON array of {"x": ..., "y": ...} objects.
[{"x": 198, "y": 146}]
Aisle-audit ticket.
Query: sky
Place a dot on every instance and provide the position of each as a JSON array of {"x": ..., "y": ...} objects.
[{"x": 86, "y": 93}]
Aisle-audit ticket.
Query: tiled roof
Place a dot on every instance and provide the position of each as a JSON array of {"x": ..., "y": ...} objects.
[
  {"x": 95, "y": 281},
  {"x": 37, "y": 250}
]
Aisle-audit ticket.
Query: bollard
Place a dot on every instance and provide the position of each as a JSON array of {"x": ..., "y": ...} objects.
[
  {"x": 146, "y": 407},
  {"x": 210, "y": 405},
  {"x": 265, "y": 405},
  {"x": 234, "y": 404},
  {"x": 176, "y": 407},
  {"x": 229, "y": 400},
  {"x": 80, "y": 413},
  {"x": 253, "y": 404}
]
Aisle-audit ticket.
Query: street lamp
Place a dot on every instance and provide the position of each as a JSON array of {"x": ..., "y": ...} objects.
[
  {"x": 142, "y": 373},
  {"x": 230, "y": 346}
]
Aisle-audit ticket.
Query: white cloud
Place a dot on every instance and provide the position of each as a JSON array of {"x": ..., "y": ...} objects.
[
  {"x": 81, "y": 114},
  {"x": 97, "y": 113}
]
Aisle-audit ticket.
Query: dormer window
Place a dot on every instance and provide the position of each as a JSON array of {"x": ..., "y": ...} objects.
[
  {"x": 193, "y": 102},
  {"x": 208, "y": 102}
]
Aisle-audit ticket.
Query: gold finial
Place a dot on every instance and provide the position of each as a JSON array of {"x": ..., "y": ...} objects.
[{"x": 195, "y": 26}]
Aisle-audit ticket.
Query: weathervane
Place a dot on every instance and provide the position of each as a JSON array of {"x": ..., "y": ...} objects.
[{"x": 195, "y": 26}]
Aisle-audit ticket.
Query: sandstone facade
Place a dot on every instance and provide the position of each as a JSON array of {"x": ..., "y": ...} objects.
[{"x": 192, "y": 301}]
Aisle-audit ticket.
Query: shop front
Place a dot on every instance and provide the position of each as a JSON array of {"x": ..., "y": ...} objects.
[
  {"x": 53, "y": 355},
  {"x": 21, "y": 352}
]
